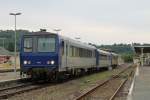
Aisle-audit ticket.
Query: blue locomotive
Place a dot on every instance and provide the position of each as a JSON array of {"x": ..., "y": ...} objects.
[{"x": 49, "y": 55}]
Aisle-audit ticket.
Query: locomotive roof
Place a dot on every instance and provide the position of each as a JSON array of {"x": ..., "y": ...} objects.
[
  {"x": 69, "y": 40},
  {"x": 40, "y": 33}
]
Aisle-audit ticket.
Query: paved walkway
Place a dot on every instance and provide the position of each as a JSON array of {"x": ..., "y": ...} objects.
[
  {"x": 141, "y": 89},
  {"x": 6, "y": 76}
]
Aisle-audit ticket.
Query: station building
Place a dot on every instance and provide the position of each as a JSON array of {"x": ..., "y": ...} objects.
[
  {"x": 142, "y": 55},
  {"x": 140, "y": 89}
]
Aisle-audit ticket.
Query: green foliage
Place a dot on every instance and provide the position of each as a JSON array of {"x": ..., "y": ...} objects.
[
  {"x": 118, "y": 48},
  {"x": 127, "y": 57},
  {"x": 11, "y": 46},
  {"x": 9, "y": 36},
  {"x": 125, "y": 50}
]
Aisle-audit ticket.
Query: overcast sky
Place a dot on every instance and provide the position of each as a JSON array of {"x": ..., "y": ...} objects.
[{"x": 96, "y": 21}]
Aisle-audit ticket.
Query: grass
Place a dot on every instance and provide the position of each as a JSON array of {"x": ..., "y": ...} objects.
[
  {"x": 92, "y": 79},
  {"x": 5, "y": 65}
]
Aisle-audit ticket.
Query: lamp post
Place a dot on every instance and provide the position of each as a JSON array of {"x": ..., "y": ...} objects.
[{"x": 15, "y": 49}]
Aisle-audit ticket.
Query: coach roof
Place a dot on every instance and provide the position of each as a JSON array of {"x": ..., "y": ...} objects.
[
  {"x": 77, "y": 43},
  {"x": 103, "y": 52}
]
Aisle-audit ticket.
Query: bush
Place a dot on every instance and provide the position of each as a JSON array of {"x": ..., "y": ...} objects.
[{"x": 127, "y": 57}]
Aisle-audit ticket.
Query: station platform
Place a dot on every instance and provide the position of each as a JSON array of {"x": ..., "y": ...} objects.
[{"x": 141, "y": 87}]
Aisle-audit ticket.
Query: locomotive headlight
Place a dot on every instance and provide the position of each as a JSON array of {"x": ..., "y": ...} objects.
[
  {"x": 52, "y": 62},
  {"x": 25, "y": 62},
  {"x": 29, "y": 62},
  {"x": 48, "y": 62}
]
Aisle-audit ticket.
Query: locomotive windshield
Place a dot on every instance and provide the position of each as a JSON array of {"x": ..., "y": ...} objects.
[
  {"x": 28, "y": 44},
  {"x": 46, "y": 44},
  {"x": 40, "y": 43}
]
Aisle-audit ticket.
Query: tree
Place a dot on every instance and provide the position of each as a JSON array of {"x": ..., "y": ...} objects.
[
  {"x": 127, "y": 57},
  {"x": 11, "y": 46}
]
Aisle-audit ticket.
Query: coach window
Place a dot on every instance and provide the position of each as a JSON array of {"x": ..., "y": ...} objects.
[
  {"x": 62, "y": 48},
  {"x": 73, "y": 51},
  {"x": 80, "y": 52},
  {"x": 102, "y": 57},
  {"x": 93, "y": 54},
  {"x": 76, "y": 52},
  {"x": 28, "y": 44},
  {"x": 70, "y": 51},
  {"x": 66, "y": 49}
]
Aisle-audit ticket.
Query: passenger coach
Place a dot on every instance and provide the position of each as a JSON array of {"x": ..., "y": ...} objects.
[
  {"x": 114, "y": 59},
  {"x": 104, "y": 59}
]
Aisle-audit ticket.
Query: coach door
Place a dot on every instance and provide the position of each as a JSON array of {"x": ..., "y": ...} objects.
[{"x": 64, "y": 55}]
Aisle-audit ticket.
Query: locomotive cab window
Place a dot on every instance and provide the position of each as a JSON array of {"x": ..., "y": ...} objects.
[
  {"x": 46, "y": 44},
  {"x": 28, "y": 44}
]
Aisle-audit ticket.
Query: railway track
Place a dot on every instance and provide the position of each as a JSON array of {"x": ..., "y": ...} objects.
[
  {"x": 18, "y": 88},
  {"x": 109, "y": 89},
  {"x": 21, "y": 87}
]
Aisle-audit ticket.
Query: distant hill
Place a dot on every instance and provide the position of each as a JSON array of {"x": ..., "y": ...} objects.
[
  {"x": 118, "y": 48},
  {"x": 9, "y": 42},
  {"x": 125, "y": 50}
]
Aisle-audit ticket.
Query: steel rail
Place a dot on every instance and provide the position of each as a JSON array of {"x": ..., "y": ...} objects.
[
  {"x": 101, "y": 84},
  {"x": 15, "y": 91},
  {"x": 18, "y": 90},
  {"x": 118, "y": 89},
  {"x": 121, "y": 85},
  {"x": 10, "y": 88},
  {"x": 15, "y": 86}
]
